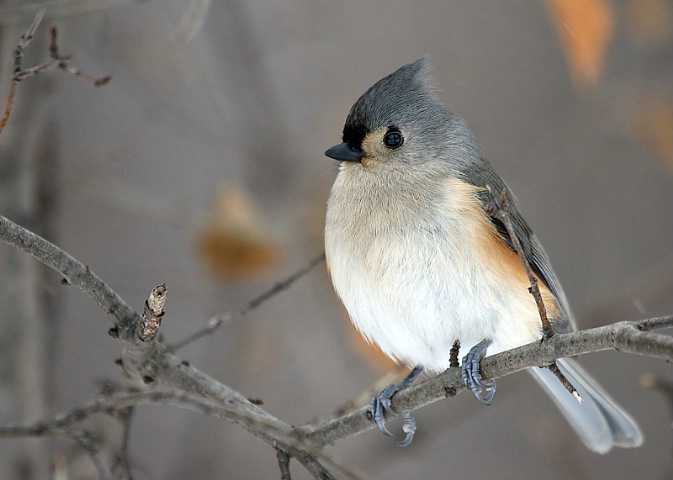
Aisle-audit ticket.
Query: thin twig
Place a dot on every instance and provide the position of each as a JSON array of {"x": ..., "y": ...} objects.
[
  {"x": 499, "y": 208},
  {"x": 313, "y": 466},
  {"x": 88, "y": 442},
  {"x": 217, "y": 321},
  {"x": 8, "y": 108},
  {"x": 59, "y": 61},
  {"x": 63, "y": 62},
  {"x": 65, "y": 421},
  {"x": 74, "y": 272},
  {"x": 126, "y": 417},
  {"x": 553, "y": 368},
  {"x": 283, "y": 463},
  {"x": 24, "y": 41}
]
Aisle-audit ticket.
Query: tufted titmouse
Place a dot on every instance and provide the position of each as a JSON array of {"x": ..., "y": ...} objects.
[{"x": 419, "y": 264}]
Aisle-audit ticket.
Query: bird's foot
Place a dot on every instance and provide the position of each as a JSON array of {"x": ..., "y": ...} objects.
[
  {"x": 381, "y": 403},
  {"x": 472, "y": 375}
]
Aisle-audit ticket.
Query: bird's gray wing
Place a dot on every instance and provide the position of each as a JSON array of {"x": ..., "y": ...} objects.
[{"x": 483, "y": 175}]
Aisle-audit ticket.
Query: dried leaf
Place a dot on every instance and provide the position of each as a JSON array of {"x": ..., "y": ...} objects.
[
  {"x": 234, "y": 244},
  {"x": 585, "y": 29}
]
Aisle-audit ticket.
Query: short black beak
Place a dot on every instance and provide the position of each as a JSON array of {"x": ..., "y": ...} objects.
[{"x": 344, "y": 153}]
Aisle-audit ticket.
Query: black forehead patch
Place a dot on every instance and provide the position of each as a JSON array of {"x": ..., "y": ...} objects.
[
  {"x": 397, "y": 99},
  {"x": 353, "y": 135}
]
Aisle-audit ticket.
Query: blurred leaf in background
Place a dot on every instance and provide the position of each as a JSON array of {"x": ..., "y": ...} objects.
[
  {"x": 585, "y": 29},
  {"x": 653, "y": 128},
  {"x": 234, "y": 243}
]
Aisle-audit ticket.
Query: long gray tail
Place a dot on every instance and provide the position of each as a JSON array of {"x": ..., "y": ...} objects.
[{"x": 599, "y": 421}]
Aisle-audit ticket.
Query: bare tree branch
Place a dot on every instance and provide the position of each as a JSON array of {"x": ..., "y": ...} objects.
[
  {"x": 73, "y": 271},
  {"x": 275, "y": 433},
  {"x": 163, "y": 378},
  {"x": 173, "y": 382},
  {"x": 153, "y": 364},
  {"x": 629, "y": 337},
  {"x": 109, "y": 404}
]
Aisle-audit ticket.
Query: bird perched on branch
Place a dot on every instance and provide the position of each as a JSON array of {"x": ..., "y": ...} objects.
[{"x": 420, "y": 263}]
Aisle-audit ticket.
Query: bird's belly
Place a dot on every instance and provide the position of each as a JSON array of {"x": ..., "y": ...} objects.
[{"x": 414, "y": 295}]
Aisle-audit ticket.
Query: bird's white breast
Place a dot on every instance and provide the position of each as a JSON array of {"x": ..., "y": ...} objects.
[{"x": 406, "y": 258}]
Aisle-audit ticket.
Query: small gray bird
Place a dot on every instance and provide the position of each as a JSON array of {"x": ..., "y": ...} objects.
[{"x": 419, "y": 264}]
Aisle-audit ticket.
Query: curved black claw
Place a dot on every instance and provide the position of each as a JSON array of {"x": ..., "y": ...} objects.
[
  {"x": 408, "y": 427},
  {"x": 381, "y": 403},
  {"x": 472, "y": 376}
]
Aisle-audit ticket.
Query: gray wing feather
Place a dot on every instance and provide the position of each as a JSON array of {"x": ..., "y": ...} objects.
[
  {"x": 483, "y": 175},
  {"x": 600, "y": 422}
]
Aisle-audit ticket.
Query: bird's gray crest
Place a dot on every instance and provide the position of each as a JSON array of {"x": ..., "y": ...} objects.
[{"x": 393, "y": 99}]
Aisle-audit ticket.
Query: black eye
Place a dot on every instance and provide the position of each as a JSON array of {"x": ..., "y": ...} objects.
[{"x": 393, "y": 138}]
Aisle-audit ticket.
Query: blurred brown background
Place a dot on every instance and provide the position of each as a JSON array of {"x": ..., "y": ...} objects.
[{"x": 200, "y": 165}]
